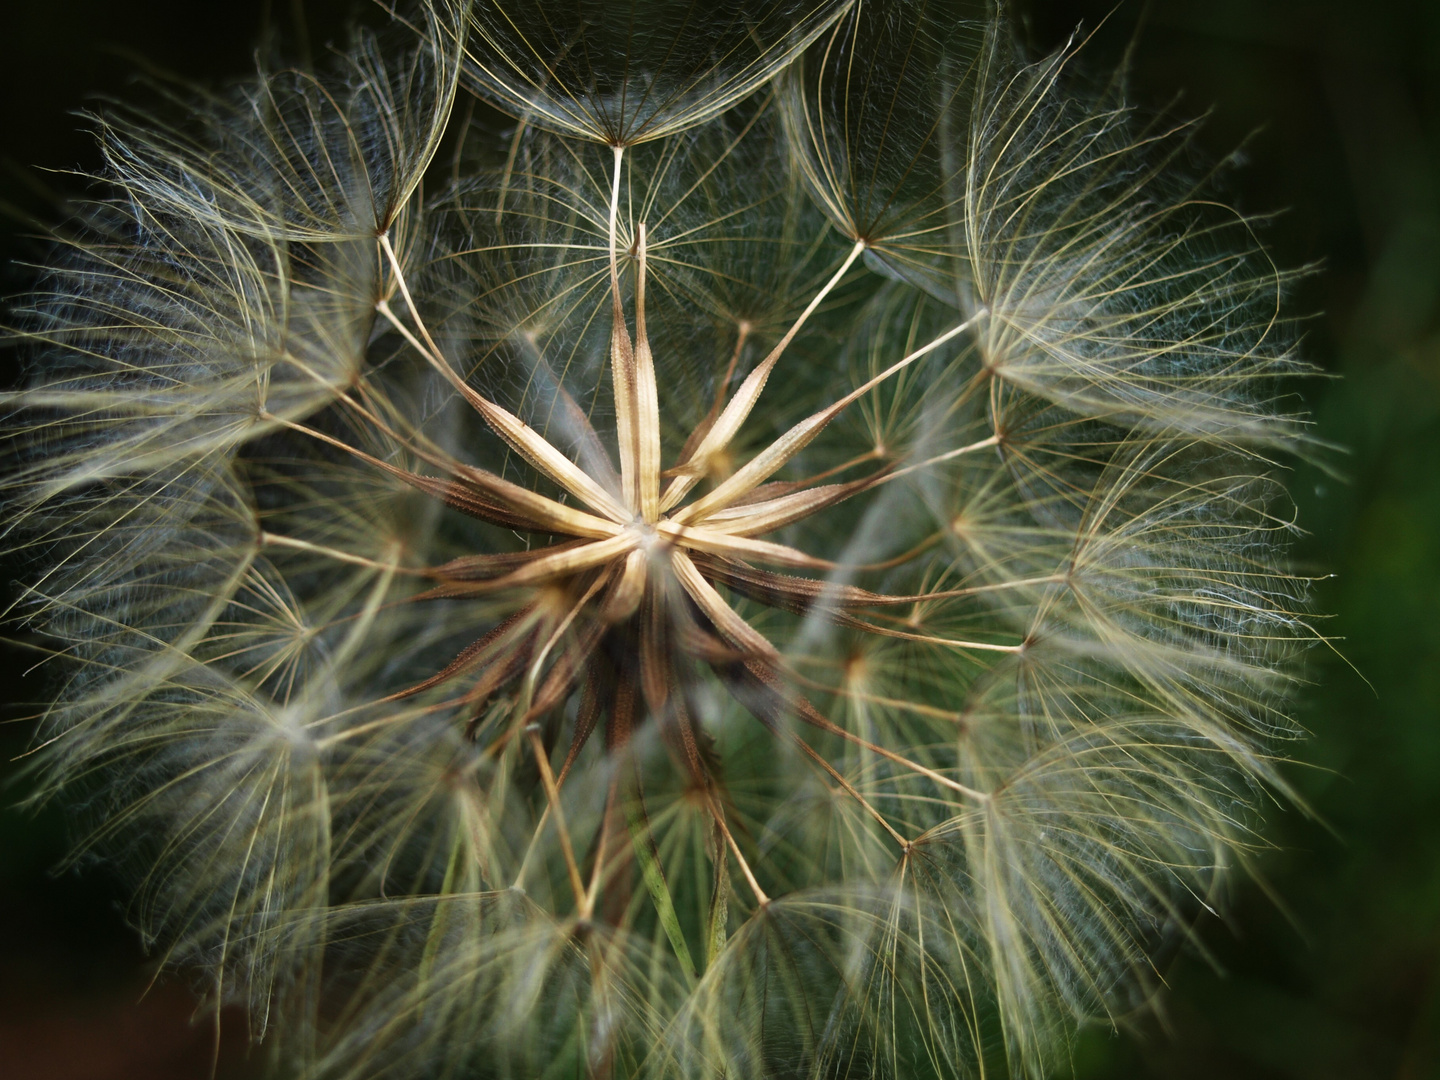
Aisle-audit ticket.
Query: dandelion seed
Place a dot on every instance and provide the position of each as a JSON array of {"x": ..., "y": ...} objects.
[{"x": 774, "y": 570}]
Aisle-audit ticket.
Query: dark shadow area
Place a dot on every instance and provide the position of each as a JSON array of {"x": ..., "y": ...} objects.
[{"x": 1335, "y": 105}]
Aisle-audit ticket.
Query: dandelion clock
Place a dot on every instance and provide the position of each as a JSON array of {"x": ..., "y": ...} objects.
[{"x": 601, "y": 540}]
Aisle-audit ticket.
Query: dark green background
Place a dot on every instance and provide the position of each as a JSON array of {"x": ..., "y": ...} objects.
[{"x": 1335, "y": 106}]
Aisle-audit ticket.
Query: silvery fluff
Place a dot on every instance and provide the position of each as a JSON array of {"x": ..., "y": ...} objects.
[{"x": 606, "y": 540}]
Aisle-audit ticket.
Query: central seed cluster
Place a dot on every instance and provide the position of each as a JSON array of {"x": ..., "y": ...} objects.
[{"x": 627, "y": 599}]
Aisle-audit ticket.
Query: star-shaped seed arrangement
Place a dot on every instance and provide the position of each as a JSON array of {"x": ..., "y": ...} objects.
[{"x": 626, "y": 601}]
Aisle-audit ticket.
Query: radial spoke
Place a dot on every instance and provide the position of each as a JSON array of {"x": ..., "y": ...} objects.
[
  {"x": 483, "y": 494},
  {"x": 800, "y": 595},
  {"x": 689, "y": 472},
  {"x": 474, "y": 653},
  {"x": 277, "y": 540},
  {"x": 928, "y": 639},
  {"x": 552, "y": 794},
  {"x": 647, "y": 399},
  {"x": 744, "y": 547},
  {"x": 731, "y": 626},
  {"x": 769, "y": 705},
  {"x": 520, "y": 436},
  {"x": 778, "y": 454},
  {"x": 622, "y": 360},
  {"x": 949, "y": 455},
  {"x": 803, "y": 710},
  {"x": 754, "y": 518}
]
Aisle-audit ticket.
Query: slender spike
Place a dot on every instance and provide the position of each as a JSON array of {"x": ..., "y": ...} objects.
[
  {"x": 622, "y": 361},
  {"x": 659, "y": 682},
  {"x": 777, "y": 454},
  {"x": 562, "y": 560},
  {"x": 654, "y": 662},
  {"x": 552, "y": 794},
  {"x": 483, "y": 567},
  {"x": 754, "y": 518},
  {"x": 530, "y": 445},
  {"x": 802, "y": 709},
  {"x": 718, "y": 816},
  {"x": 689, "y": 472},
  {"x": 586, "y": 718},
  {"x": 621, "y": 722},
  {"x": 708, "y": 421},
  {"x": 483, "y": 494},
  {"x": 468, "y": 656},
  {"x": 684, "y": 720},
  {"x": 564, "y": 563},
  {"x": 518, "y": 435},
  {"x": 743, "y": 547},
  {"x": 697, "y": 641},
  {"x": 625, "y": 597},
  {"x": 731, "y": 626},
  {"x": 647, "y": 400},
  {"x": 584, "y": 440}
]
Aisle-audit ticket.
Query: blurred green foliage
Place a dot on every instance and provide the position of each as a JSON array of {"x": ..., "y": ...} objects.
[{"x": 1335, "y": 106}]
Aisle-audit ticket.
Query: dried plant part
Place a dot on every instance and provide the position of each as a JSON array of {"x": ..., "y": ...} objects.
[{"x": 775, "y": 570}]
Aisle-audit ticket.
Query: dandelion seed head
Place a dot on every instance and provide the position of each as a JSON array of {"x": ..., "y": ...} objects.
[{"x": 767, "y": 562}]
